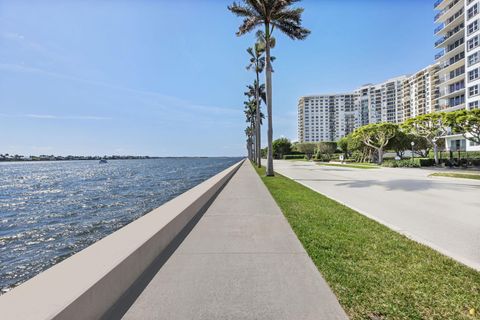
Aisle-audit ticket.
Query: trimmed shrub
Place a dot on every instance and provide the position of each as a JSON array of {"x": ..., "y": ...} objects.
[
  {"x": 425, "y": 162},
  {"x": 322, "y": 157},
  {"x": 401, "y": 164},
  {"x": 293, "y": 156}
]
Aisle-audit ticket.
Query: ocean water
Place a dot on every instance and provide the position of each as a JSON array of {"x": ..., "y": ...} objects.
[{"x": 51, "y": 210}]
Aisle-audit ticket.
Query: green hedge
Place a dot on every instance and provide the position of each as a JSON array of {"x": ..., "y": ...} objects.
[
  {"x": 293, "y": 156},
  {"x": 463, "y": 154},
  {"x": 409, "y": 163},
  {"x": 401, "y": 164},
  {"x": 425, "y": 162}
]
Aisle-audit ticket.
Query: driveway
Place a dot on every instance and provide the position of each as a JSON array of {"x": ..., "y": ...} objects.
[{"x": 442, "y": 213}]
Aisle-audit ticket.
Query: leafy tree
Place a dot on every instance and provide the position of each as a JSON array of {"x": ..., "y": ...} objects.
[
  {"x": 431, "y": 126},
  {"x": 308, "y": 148},
  {"x": 360, "y": 151},
  {"x": 422, "y": 147},
  {"x": 376, "y": 136},
  {"x": 270, "y": 14},
  {"x": 327, "y": 148},
  {"x": 281, "y": 147},
  {"x": 343, "y": 146},
  {"x": 466, "y": 122},
  {"x": 399, "y": 143}
]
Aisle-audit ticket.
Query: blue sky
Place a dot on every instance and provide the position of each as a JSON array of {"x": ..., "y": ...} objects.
[{"x": 166, "y": 78}]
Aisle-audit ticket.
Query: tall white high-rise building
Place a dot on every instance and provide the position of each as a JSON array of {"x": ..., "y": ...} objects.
[
  {"x": 331, "y": 117},
  {"x": 451, "y": 59},
  {"x": 459, "y": 59},
  {"x": 472, "y": 47},
  {"x": 326, "y": 117}
]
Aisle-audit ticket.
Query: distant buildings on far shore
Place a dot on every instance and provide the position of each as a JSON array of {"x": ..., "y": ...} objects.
[{"x": 16, "y": 157}]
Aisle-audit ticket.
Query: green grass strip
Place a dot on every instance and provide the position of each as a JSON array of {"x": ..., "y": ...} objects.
[
  {"x": 356, "y": 166},
  {"x": 456, "y": 175},
  {"x": 375, "y": 272}
]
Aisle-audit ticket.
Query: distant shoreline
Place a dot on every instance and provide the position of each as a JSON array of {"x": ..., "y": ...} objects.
[{"x": 96, "y": 158}]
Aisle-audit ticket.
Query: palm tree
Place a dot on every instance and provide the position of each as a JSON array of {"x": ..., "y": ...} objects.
[
  {"x": 250, "y": 117},
  {"x": 248, "y": 133},
  {"x": 257, "y": 63},
  {"x": 257, "y": 92},
  {"x": 270, "y": 14}
]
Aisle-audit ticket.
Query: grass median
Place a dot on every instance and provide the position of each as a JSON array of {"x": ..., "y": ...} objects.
[
  {"x": 375, "y": 272},
  {"x": 456, "y": 175},
  {"x": 347, "y": 165}
]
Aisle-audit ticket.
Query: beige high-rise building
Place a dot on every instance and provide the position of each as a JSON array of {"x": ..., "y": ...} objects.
[{"x": 419, "y": 93}]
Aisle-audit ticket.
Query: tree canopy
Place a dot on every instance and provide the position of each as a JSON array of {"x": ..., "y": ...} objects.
[
  {"x": 376, "y": 136},
  {"x": 281, "y": 147},
  {"x": 465, "y": 122}
]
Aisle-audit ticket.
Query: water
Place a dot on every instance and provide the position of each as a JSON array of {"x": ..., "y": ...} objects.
[{"x": 51, "y": 210}]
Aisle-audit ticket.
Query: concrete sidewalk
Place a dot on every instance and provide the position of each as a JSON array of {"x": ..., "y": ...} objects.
[{"x": 241, "y": 261}]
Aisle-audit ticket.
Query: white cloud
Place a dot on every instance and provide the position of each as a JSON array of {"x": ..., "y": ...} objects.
[{"x": 12, "y": 36}]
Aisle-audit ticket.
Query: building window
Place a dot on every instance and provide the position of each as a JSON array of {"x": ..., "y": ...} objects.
[
  {"x": 472, "y": 75},
  {"x": 472, "y": 43},
  {"x": 472, "y": 27},
  {"x": 473, "y": 105},
  {"x": 473, "y": 90},
  {"x": 473, "y": 59},
  {"x": 472, "y": 11}
]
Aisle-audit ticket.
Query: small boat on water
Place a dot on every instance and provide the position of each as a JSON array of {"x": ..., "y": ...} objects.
[{"x": 102, "y": 161}]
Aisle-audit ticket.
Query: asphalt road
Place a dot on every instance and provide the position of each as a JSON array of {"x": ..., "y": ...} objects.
[{"x": 443, "y": 213}]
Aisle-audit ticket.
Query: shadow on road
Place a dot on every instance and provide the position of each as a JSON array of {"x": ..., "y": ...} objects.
[{"x": 408, "y": 185}]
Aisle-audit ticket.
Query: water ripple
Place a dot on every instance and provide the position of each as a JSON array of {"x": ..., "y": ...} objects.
[{"x": 50, "y": 210}]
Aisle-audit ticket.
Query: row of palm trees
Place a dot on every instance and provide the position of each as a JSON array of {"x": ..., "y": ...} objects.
[{"x": 267, "y": 15}]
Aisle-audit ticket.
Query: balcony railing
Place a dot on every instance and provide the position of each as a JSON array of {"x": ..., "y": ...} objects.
[
  {"x": 439, "y": 41},
  {"x": 439, "y": 28},
  {"x": 439, "y": 55},
  {"x": 445, "y": 10},
  {"x": 437, "y": 3}
]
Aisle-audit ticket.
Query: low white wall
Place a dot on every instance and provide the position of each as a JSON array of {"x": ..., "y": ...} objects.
[{"x": 87, "y": 284}]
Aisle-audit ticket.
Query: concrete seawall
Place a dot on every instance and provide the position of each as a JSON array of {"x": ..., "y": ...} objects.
[{"x": 88, "y": 284}]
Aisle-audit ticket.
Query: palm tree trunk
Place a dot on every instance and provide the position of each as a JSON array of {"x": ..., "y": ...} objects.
[
  {"x": 254, "y": 141},
  {"x": 258, "y": 132},
  {"x": 268, "y": 85}
]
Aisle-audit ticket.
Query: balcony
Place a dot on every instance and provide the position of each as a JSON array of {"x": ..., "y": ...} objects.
[
  {"x": 435, "y": 5},
  {"x": 439, "y": 28},
  {"x": 445, "y": 94},
  {"x": 445, "y": 107},
  {"x": 439, "y": 55},
  {"x": 439, "y": 17}
]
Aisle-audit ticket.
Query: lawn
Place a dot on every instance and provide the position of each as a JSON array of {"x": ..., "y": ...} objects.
[
  {"x": 375, "y": 272},
  {"x": 351, "y": 165},
  {"x": 456, "y": 175}
]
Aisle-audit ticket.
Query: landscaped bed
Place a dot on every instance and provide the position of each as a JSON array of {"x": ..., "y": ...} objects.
[{"x": 375, "y": 272}]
